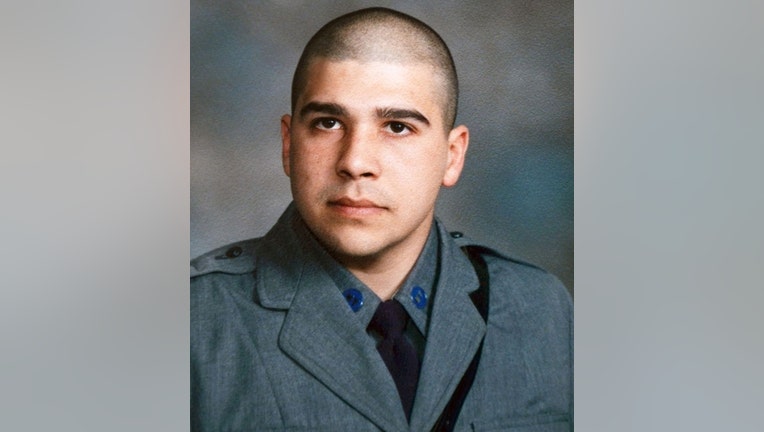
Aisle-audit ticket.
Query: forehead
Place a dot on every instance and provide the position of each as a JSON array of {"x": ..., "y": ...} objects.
[{"x": 371, "y": 84}]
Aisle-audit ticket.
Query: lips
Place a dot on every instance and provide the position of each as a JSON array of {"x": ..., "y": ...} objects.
[
  {"x": 355, "y": 207},
  {"x": 349, "y": 202}
]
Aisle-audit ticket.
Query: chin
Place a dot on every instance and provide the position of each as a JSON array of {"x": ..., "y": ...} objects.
[
  {"x": 353, "y": 248},
  {"x": 351, "y": 245}
]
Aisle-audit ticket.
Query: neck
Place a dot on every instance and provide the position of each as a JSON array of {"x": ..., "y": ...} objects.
[
  {"x": 384, "y": 280},
  {"x": 386, "y": 271}
]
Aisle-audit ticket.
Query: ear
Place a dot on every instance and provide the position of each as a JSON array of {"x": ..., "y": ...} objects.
[
  {"x": 286, "y": 141},
  {"x": 458, "y": 141}
]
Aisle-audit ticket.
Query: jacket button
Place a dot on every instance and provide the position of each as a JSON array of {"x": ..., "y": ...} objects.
[
  {"x": 457, "y": 234},
  {"x": 354, "y": 298},
  {"x": 233, "y": 252}
]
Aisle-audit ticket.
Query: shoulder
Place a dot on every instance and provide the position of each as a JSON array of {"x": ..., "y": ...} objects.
[
  {"x": 234, "y": 258},
  {"x": 528, "y": 309},
  {"x": 517, "y": 281},
  {"x": 469, "y": 245},
  {"x": 223, "y": 272},
  {"x": 220, "y": 279}
]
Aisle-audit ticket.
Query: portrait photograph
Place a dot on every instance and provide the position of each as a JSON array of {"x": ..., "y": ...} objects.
[{"x": 382, "y": 216}]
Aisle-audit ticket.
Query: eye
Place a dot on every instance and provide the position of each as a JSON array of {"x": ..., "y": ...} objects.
[
  {"x": 326, "y": 123},
  {"x": 399, "y": 128}
]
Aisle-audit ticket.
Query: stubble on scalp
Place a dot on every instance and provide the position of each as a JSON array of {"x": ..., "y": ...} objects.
[{"x": 383, "y": 35}]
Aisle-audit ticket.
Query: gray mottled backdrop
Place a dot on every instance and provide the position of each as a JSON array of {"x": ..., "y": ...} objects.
[{"x": 515, "y": 64}]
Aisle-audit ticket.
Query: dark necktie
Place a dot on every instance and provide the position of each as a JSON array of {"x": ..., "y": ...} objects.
[{"x": 397, "y": 352}]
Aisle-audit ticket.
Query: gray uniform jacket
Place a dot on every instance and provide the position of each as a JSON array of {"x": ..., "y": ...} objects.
[{"x": 272, "y": 348}]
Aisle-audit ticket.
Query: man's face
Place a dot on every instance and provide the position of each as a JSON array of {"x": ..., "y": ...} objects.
[{"x": 366, "y": 152}]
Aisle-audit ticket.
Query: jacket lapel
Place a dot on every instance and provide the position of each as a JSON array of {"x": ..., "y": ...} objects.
[
  {"x": 455, "y": 331},
  {"x": 320, "y": 332}
]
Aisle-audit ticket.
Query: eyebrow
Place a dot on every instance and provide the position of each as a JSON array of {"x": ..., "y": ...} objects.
[
  {"x": 338, "y": 110},
  {"x": 401, "y": 113},
  {"x": 323, "y": 108}
]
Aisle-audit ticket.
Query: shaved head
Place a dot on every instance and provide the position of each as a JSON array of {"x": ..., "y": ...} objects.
[{"x": 384, "y": 35}]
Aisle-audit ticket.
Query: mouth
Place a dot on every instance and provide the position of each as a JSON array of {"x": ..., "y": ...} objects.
[{"x": 355, "y": 207}]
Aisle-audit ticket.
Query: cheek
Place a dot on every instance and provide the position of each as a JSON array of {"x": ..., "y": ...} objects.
[
  {"x": 307, "y": 162},
  {"x": 422, "y": 175},
  {"x": 427, "y": 163}
]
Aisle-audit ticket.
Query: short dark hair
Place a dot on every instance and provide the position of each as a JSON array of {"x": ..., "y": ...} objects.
[{"x": 384, "y": 35}]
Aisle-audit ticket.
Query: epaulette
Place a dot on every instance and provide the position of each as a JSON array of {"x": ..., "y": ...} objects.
[
  {"x": 465, "y": 242},
  {"x": 235, "y": 258}
]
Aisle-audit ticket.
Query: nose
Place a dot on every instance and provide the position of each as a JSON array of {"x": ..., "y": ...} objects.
[{"x": 358, "y": 155}]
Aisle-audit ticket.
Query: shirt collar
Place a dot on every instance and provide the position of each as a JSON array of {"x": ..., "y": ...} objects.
[{"x": 415, "y": 294}]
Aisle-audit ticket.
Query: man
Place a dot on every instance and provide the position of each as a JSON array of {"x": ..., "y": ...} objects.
[{"x": 358, "y": 310}]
